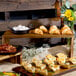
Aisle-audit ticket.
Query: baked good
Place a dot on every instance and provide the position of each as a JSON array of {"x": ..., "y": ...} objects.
[
  {"x": 42, "y": 71},
  {"x": 31, "y": 31},
  {"x": 37, "y": 70},
  {"x": 43, "y": 28},
  {"x": 61, "y": 61},
  {"x": 61, "y": 55},
  {"x": 38, "y": 31},
  {"x": 54, "y": 68},
  {"x": 65, "y": 66},
  {"x": 50, "y": 57},
  {"x": 65, "y": 30},
  {"x": 48, "y": 61},
  {"x": 43, "y": 66},
  {"x": 54, "y": 30},
  {"x": 36, "y": 62},
  {"x": 72, "y": 60}
]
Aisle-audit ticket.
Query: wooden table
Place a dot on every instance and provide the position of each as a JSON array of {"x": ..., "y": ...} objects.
[
  {"x": 15, "y": 58},
  {"x": 8, "y": 35}
]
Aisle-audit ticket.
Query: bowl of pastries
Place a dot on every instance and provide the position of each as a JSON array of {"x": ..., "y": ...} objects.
[
  {"x": 49, "y": 63},
  {"x": 53, "y": 30}
]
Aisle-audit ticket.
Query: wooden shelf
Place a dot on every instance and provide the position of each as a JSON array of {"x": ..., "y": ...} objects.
[
  {"x": 14, "y": 58},
  {"x": 3, "y": 57},
  {"x": 9, "y": 34}
]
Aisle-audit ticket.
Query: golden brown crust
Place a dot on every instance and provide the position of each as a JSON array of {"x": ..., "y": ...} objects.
[
  {"x": 65, "y": 30},
  {"x": 43, "y": 28},
  {"x": 38, "y": 31},
  {"x": 61, "y": 61},
  {"x": 72, "y": 60},
  {"x": 54, "y": 30},
  {"x": 61, "y": 55}
]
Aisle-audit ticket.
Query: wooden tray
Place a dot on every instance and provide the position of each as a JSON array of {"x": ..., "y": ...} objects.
[{"x": 57, "y": 73}]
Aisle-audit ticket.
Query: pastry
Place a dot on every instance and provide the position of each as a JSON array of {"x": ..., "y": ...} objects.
[
  {"x": 61, "y": 55},
  {"x": 42, "y": 71},
  {"x": 72, "y": 60},
  {"x": 31, "y": 31},
  {"x": 54, "y": 30},
  {"x": 38, "y": 31},
  {"x": 36, "y": 62},
  {"x": 32, "y": 69},
  {"x": 43, "y": 28},
  {"x": 43, "y": 66},
  {"x": 51, "y": 58},
  {"x": 65, "y": 30},
  {"x": 54, "y": 68},
  {"x": 65, "y": 66},
  {"x": 37, "y": 70},
  {"x": 61, "y": 61},
  {"x": 48, "y": 61}
]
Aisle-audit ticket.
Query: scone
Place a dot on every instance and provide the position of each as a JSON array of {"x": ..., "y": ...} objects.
[
  {"x": 54, "y": 30},
  {"x": 65, "y": 30},
  {"x": 43, "y": 28}
]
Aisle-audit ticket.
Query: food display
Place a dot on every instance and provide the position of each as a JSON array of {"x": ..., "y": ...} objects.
[
  {"x": 7, "y": 48},
  {"x": 54, "y": 30},
  {"x": 49, "y": 63}
]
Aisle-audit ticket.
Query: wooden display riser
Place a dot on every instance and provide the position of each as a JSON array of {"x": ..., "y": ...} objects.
[
  {"x": 8, "y": 35},
  {"x": 15, "y": 58},
  {"x": 57, "y": 73}
]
